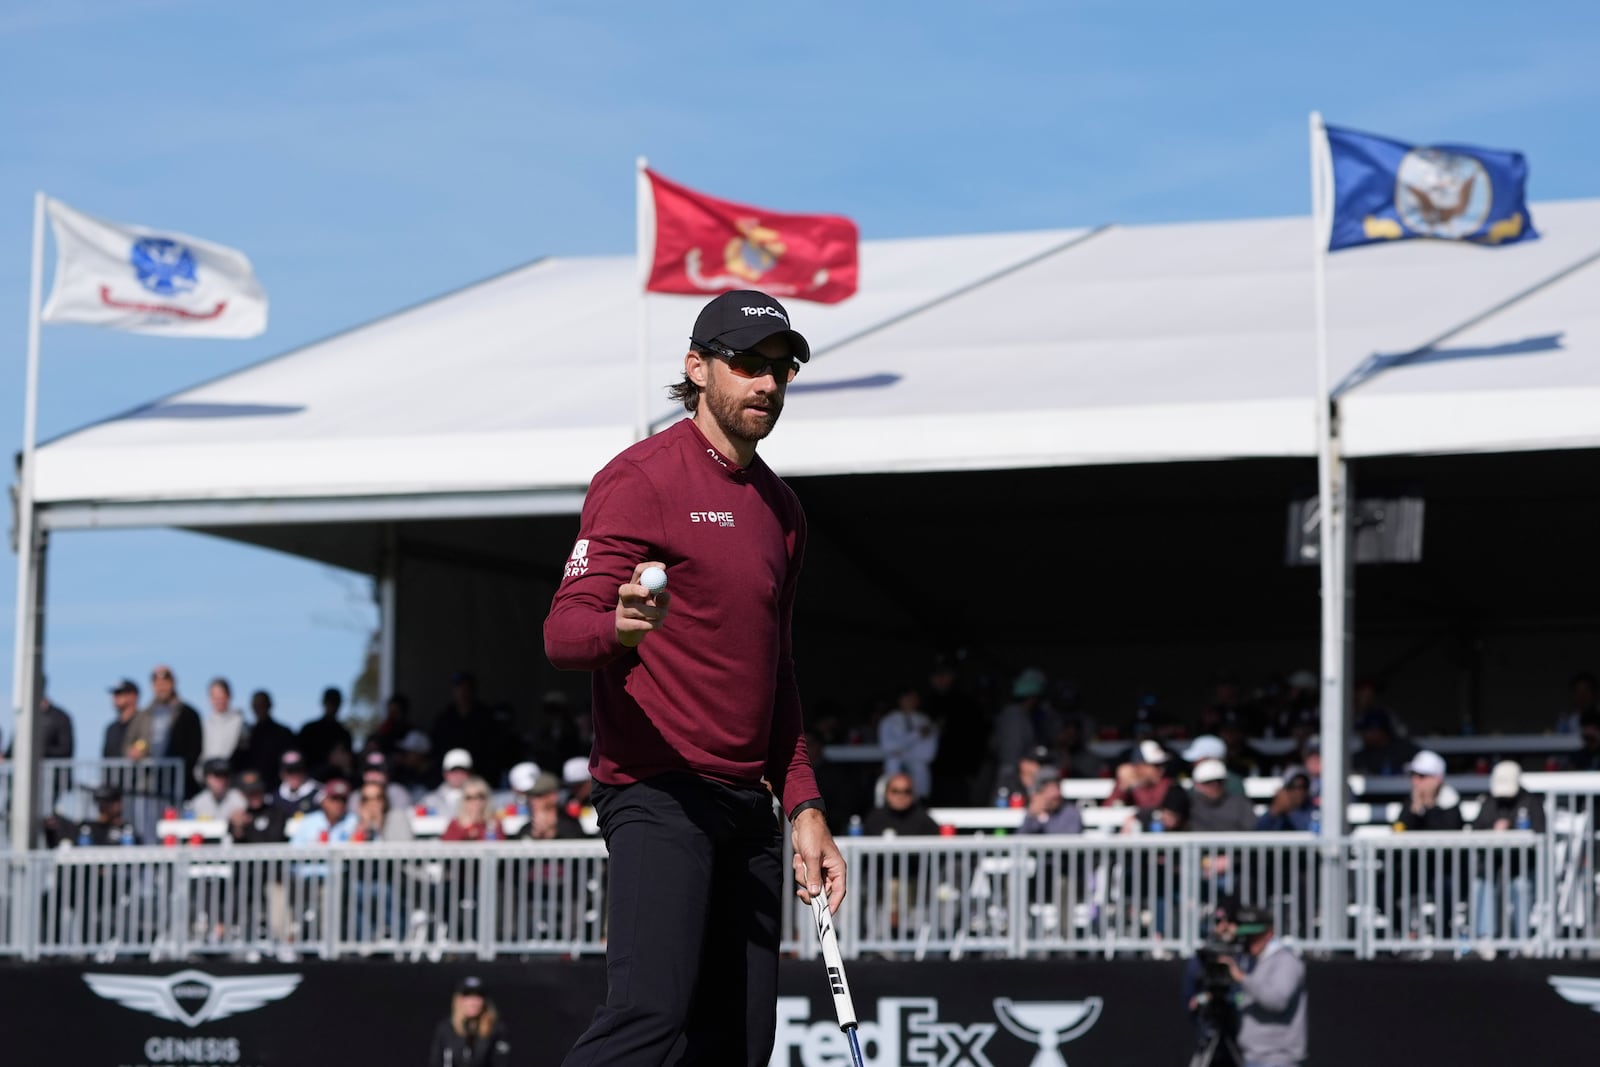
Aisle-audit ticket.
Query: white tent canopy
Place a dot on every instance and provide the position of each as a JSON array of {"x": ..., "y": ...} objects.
[{"x": 1063, "y": 347}]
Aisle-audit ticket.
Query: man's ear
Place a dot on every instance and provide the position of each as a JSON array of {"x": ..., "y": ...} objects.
[{"x": 694, "y": 366}]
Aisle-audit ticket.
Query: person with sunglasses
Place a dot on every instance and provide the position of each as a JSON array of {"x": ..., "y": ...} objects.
[{"x": 696, "y": 709}]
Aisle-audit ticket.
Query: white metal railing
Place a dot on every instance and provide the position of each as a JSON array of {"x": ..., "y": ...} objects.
[
  {"x": 66, "y": 788},
  {"x": 1010, "y": 896}
]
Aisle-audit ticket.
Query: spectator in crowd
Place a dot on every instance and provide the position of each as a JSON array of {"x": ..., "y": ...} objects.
[
  {"x": 446, "y": 800},
  {"x": 1209, "y": 1011},
  {"x": 1073, "y": 757},
  {"x": 1210, "y": 746},
  {"x": 474, "y": 821},
  {"x": 262, "y": 820},
  {"x": 52, "y": 731},
  {"x": 1171, "y": 811},
  {"x": 410, "y": 764},
  {"x": 1381, "y": 752},
  {"x": 1212, "y": 809},
  {"x": 298, "y": 792},
  {"x": 547, "y": 821},
  {"x": 1503, "y": 888},
  {"x": 1017, "y": 780},
  {"x": 576, "y": 780},
  {"x": 1142, "y": 782},
  {"x": 1027, "y": 722},
  {"x": 266, "y": 742},
  {"x": 467, "y": 723},
  {"x": 902, "y": 813},
  {"x": 1048, "y": 812},
  {"x": 1272, "y": 1007},
  {"x": 1241, "y": 758},
  {"x": 909, "y": 741},
  {"x": 124, "y": 705},
  {"x": 1225, "y": 698},
  {"x": 167, "y": 728},
  {"x": 332, "y": 823},
  {"x": 396, "y": 724},
  {"x": 108, "y": 827},
  {"x": 1582, "y": 693},
  {"x": 218, "y": 800},
  {"x": 1311, "y": 760},
  {"x": 473, "y": 1036},
  {"x": 319, "y": 738},
  {"x": 1433, "y": 803},
  {"x": 964, "y": 734},
  {"x": 375, "y": 771},
  {"x": 376, "y": 820},
  {"x": 1587, "y": 758},
  {"x": 223, "y": 731},
  {"x": 1292, "y": 808}
]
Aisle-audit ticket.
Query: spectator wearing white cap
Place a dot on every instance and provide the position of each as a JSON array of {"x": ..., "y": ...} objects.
[
  {"x": 1142, "y": 782},
  {"x": 446, "y": 800},
  {"x": 1433, "y": 803},
  {"x": 1212, "y": 809},
  {"x": 1501, "y": 893},
  {"x": 1212, "y": 747}
]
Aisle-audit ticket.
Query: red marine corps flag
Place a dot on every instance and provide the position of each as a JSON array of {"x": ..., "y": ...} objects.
[{"x": 706, "y": 245}]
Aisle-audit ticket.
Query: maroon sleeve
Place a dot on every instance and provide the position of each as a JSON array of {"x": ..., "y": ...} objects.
[
  {"x": 621, "y": 521},
  {"x": 788, "y": 763}
]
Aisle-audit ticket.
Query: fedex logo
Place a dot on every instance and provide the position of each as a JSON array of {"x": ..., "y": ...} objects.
[
  {"x": 774, "y": 312},
  {"x": 719, "y": 518},
  {"x": 907, "y": 1033}
]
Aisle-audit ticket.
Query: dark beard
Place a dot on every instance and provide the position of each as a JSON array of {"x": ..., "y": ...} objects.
[{"x": 736, "y": 422}]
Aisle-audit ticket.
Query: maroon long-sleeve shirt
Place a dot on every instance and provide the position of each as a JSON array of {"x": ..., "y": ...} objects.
[{"x": 713, "y": 691}]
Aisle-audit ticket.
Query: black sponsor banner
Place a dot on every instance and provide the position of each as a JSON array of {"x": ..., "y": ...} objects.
[{"x": 936, "y": 1013}]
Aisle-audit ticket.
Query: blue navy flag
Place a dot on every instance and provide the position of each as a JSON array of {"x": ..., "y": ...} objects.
[{"x": 1385, "y": 190}]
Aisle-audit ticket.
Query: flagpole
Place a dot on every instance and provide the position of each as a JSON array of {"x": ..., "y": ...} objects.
[
  {"x": 644, "y": 250},
  {"x": 24, "y": 678},
  {"x": 1332, "y": 503}
]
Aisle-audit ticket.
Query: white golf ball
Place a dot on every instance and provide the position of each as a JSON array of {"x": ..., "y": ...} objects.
[{"x": 653, "y": 579}]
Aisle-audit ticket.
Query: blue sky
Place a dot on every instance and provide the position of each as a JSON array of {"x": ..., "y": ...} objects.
[{"x": 369, "y": 156}]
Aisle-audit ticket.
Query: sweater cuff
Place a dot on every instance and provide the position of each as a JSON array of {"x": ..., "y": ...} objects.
[{"x": 807, "y": 805}]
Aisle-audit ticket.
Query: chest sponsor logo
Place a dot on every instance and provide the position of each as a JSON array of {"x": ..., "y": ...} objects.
[
  {"x": 578, "y": 562},
  {"x": 715, "y": 518}
]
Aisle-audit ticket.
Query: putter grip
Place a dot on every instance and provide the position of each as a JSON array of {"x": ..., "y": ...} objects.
[{"x": 843, "y": 1006}]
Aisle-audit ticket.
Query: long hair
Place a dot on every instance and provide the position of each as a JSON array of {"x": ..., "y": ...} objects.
[
  {"x": 465, "y": 1026},
  {"x": 686, "y": 392},
  {"x": 474, "y": 785}
]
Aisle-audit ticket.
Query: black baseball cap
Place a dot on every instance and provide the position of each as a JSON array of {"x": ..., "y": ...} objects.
[
  {"x": 127, "y": 685},
  {"x": 743, "y": 319},
  {"x": 471, "y": 984},
  {"x": 1253, "y": 920},
  {"x": 217, "y": 766}
]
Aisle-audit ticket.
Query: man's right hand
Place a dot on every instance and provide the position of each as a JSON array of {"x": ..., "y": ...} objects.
[{"x": 639, "y": 613}]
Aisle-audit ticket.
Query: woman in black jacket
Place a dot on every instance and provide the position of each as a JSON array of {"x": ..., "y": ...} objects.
[{"x": 473, "y": 1035}]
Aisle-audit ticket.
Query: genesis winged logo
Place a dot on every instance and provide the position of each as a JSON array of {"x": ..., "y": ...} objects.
[
  {"x": 1584, "y": 992},
  {"x": 192, "y": 997}
]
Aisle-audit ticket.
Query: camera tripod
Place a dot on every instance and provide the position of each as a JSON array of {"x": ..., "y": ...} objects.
[{"x": 1219, "y": 1050}]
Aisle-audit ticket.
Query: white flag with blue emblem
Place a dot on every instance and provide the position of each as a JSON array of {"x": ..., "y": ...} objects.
[{"x": 132, "y": 278}]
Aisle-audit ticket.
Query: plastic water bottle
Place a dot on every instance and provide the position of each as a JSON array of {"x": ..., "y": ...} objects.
[
  {"x": 856, "y": 829},
  {"x": 1156, "y": 825},
  {"x": 1002, "y": 798},
  {"x": 83, "y": 835},
  {"x": 1316, "y": 820},
  {"x": 127, "y": 834},
  {"x": 1523, "y": 822}
]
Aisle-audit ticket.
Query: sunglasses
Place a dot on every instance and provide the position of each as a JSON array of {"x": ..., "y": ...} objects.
[
  {"x": 899, "y": 791},
  {"x": 753, "y": 365},
  {"x": 474, "y": 796}
]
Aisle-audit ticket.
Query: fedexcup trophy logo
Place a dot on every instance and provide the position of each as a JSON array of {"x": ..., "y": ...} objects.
[
  {"x": 163, "y": 266},
  {"x": 1048, "y": 1023},
  {"x": 1584, "y": 992}
]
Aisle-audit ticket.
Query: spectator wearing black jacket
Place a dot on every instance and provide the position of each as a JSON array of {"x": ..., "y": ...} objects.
[
  {"x": 1502, "y": 887},
  {"x": 901, "y": 814},
  {"x": 473, "y": 1036},
  {"x": 125, "y": 703},
  {"x": 262, "y": 820},
  {"x": 167, "y": 728},
  {"x": 467, "y": 723},
  {"x": 321, "y": 737},
  {"x": 266, "y": 743}
]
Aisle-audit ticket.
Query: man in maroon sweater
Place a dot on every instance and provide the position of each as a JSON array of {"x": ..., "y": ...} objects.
[{"x": 692, "y": 712}]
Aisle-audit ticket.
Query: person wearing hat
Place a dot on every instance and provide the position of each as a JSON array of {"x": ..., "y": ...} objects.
[
  {"x": 333, "y": 823},
  {"x": 1272, "y": 999},
  {"x": 1215, "y": 1018},
  {"x": 1018, "y": 779},
  {"x": 262, "y": 820},
  {"x": 473, "y": 1035},
  {"x": 1048, "y": 812},
  {"x": 446, "y": 800},
  {"x": 695, "y": 712},
  {"x": 1027, "y": 723},
  {"x": 1504, "y": 889},
  {"x": 1381, "y": 753},
  {"x": 1210, "y": 746},
  {"x": 1143, "y": 781},
  {"x": 1212, "y": 809},
  {"x": 375, "y": 771},
  {"x": 218, "y": 800},
  {"x": 298, "y": 792},
  {"x": 1433, "y": 803},
  {"x": 1292, "y": 806},
  {"x": 108, "y": 827},
  {"x": 124, "y": 706},
  {"x": 547, "y": 819}
]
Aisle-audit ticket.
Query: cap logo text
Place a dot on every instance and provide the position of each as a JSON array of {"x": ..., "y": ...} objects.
[{"x": 760, "y": 311}]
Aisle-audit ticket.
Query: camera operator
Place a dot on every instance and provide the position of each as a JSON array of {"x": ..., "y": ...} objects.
[
  {"x": 1208, "y": 991},
  {"x": 1272, "y": 1001}
]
